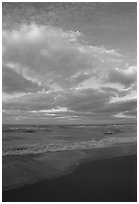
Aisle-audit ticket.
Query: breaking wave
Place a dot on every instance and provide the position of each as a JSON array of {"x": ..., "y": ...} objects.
[{"x": 55, "y": 147}]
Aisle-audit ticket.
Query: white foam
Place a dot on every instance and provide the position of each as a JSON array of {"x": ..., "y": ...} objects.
[{"x": 54, "y": 147}]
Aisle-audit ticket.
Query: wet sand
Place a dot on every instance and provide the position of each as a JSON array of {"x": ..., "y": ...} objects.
[{"x": 108, "y": 174}]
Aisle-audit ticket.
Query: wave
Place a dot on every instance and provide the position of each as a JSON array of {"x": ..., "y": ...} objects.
[{"x": 55, "y": 147}]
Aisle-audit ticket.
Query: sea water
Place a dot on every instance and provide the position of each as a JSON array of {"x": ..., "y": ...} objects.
[{"x": 34, "y": 139}]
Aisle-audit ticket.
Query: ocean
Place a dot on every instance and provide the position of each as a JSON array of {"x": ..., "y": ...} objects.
[
  {"x": 71, "y": 162},
  {"x": 34, "y": 139}
]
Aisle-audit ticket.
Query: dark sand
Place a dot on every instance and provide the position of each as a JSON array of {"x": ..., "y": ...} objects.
[{"x": 102, "y": 179}]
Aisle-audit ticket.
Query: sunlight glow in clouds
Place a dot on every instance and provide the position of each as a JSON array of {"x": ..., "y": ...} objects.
[
  {"x": 49, "y": 56},
  {"x": 121, "y": 115},
  {"x": 53, "y": 73},
  {"x": 53, "y": 110}
]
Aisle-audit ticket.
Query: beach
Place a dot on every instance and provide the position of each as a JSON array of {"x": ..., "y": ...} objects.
[
  {"x": 105, "y": 174},
  {"x": 69, "y": 102}
]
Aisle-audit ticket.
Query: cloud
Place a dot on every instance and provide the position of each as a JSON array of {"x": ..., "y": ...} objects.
[
  {"x": 13, "y": 82},
  {"x": 126, "y": 77},
  {"x": 84, "y": 100},
  {"x": 126, "y": 114},
  {"x": 114, "y": 108},
  {"x": 84, "y": 105},
  {"x": 121, "y": 94},
  {"x": 51, "y": 56},
  {"x": 63, "y": 77}
]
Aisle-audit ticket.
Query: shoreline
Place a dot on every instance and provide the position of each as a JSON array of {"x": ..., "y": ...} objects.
[
  {"x": 48, "y": 166},
  {"x": 112, "y": 178},
  {"x": 29, "y": 169}
]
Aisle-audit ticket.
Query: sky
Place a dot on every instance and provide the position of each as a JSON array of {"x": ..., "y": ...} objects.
[{"x": 69, "y": 63}]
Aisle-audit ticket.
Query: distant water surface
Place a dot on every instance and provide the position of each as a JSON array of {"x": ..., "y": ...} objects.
[{"x": 25, "y": 139}]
